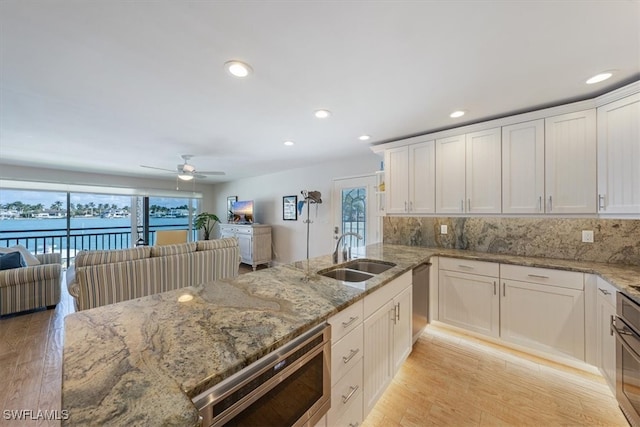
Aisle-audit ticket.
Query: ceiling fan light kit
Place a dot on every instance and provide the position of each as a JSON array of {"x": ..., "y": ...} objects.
[{"x": 186, "y": 171}]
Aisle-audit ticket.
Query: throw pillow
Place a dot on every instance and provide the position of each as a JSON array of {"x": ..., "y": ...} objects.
[
  {"x": 28, "y": 257},
  {"x": 11, "y": 260}
]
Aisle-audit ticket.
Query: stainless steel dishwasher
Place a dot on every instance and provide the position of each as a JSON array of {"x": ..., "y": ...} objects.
[{"x": 420, "y": 299}]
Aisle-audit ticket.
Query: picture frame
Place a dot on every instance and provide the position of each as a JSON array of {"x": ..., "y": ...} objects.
[
  {"x": 290, "y": 208},
  {"x": 230, "y": 201}
]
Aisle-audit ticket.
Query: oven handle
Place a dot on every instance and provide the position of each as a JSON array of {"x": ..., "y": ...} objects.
[{"x": 619, "y": 337}]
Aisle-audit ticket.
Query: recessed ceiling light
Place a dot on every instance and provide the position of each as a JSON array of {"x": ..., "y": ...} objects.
[
  {"x": 322, "y": 114},
  {"x": 289, "y": 143},
  {"x": 238, "y": 68},
  {"x": 364, "y": 137},
  {"x": 599, "y": 78},
  {"x": 456, "y": 114}
]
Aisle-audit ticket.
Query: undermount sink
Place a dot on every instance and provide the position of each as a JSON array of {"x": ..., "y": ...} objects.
[
  {"x": 369, "y": 266},
  {"x": 358, "y": 270},
  {"x": 346, "y": 275}
]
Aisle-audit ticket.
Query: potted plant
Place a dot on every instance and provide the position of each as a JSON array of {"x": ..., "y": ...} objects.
[{"x": 206, "y": 221}]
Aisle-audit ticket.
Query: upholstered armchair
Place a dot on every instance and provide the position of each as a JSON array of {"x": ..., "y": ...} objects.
[{"x": 32, "y": 287}]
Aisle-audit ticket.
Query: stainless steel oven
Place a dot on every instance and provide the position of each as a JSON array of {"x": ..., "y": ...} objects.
[
  {"x": 627, "y": 330},
  {"x": 289, "y": 387}
]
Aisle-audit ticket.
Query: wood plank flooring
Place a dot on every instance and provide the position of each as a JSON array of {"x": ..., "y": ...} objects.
[
  {"x": 452, "y": 379},
  {"x": 448, "y": 380}
]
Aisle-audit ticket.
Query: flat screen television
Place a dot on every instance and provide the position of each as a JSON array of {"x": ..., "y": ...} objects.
[{"x": 242, "y": 212}]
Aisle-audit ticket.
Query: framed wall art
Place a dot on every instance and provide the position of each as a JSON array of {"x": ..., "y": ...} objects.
[{"x": 289, "y": 208}]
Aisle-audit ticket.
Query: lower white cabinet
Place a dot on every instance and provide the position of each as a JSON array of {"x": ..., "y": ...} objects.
[
  {"x": 387, "y": 336},
  {"x": 468, "y": 295},
  {"x": 605, "y": 340},
  {"x": 539, "y": 308},
  {"x": 254, "y": 241}
]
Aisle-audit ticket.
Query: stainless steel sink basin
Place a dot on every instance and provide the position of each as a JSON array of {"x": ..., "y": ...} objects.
[
  {"x": 346, "y": 275},
  {"x": 369, "y": 266}
]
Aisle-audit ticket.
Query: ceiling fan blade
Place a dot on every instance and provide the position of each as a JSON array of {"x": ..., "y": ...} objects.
[
  {"x": 160, "y": 169},
  {"x": 210, "y": 172},
  {"x": 197, "y": 175}
]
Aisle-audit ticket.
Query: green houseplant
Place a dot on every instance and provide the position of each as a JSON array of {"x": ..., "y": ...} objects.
[{"x": 206, "y": 221}]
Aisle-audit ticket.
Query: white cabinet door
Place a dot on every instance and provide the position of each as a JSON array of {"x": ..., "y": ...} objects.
[
  {"x": 450, "y": 174},
  {"x": 397, "y": 177},
  {"x": 378, "y": 366},
  {"x": 402, "y": 332},
  {"x": 605, "y": 340},
  {"x": 483, "y": 176},
  {"x": 548, "y": 318},
  {"x": 619, "y": 156},
  {"x": 570, "y": 163},
  {"x": 469, "y": 301},
  {"x": 523, "y": 168},
  {"x": 422, "y": 177},
  {"x": 246, "y": 247}
]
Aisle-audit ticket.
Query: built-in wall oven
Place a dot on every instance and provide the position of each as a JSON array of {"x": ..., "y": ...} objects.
[
  {"x": 626, "y": 327},
  {"x": 289, "y": 387}
]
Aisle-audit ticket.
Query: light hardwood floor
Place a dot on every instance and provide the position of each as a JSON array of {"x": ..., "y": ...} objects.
[{"x": 448, "y": 380}]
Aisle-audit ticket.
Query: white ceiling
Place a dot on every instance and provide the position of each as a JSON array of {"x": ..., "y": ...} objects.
[{"x": 105, "y": 86}]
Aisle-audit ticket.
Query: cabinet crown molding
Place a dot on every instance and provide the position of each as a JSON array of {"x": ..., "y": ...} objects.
[{"x": 604, "y": 99}]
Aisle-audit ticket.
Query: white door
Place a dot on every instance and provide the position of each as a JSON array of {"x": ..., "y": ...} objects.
[
  {"x": 619, "y": 156},
  {"x": 422, "y": 177},
  {"x": 570, "y": 162},
  {"x": 402, "y": 331},
  {"x": 547, "y": 318},
  {"x": 523, "y": 168},
  {"x": 483, "y": 177},
  {"x": 397, "y": 180},
  {"x": 450, "y": 175},
  {"x": 354, "y": 210},
  {"x": 378, "y": 366}
]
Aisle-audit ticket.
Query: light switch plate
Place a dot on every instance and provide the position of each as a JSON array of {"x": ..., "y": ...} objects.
[
  {"x": 587, "y": 236},
  {"x": 443, "y": 229}
]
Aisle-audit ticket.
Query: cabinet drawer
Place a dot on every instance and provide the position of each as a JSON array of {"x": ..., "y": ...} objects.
[
  {"x": 345, "y": 394},
  {"x": 543, "y": 276},
  {"x": 346, "y": 321},
  {"x": 352, "y": 415},
  {"x": 470, "y": 266},
  {"x": 606, "y": 290},
  {"x": 346, "y": 353}
]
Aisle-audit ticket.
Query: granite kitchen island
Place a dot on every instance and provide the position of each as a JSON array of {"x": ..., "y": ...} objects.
[{"x": 140, "y": 362}]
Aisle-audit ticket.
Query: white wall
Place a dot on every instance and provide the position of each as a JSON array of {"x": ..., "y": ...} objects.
[{"x": 289, "y": 237}]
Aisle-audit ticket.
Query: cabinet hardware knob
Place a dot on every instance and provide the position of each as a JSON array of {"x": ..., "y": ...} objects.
[
  {"x": 604, "y": 291},
  {"x": 352, "y": 353},
  {"x": 540, "y": 204},
  {"x": 504, "y": 289},
  {"x": 352, "y": 390},
  {"x": 538, "y": 276},
  {"x": 494, "y": 287},
  {"x": 550, "y": 203},
  {"x": 611, "y": 324},
  {"x": 349, "y": 322},
  {"x": 601, "y": 202}
]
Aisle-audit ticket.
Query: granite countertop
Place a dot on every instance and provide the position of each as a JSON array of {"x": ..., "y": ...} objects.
[{"x": 141, "y": 361}]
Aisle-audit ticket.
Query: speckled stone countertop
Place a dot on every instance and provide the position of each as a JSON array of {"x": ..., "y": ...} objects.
[{"x": 140, "y": 362}]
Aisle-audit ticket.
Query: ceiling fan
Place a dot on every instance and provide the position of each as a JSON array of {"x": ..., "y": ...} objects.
[{"x": 186, "y": 171}]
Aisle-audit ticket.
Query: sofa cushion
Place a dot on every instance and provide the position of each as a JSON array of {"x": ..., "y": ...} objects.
[
  {"x": 29, "y": 258},
  {"x": 168, "y": 250},
  {"x": 85, "y": 258},
  {"x": 207, "y": 245},
  {"x": 11, "y": 260}
]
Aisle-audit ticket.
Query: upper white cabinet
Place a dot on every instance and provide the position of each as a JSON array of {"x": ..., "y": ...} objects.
[
  {"x": 468, "y": 177},
  {"x": 450, "y": 174},
  {"x": 523, "y": 168},
  {"x": 619, "y": 156},
  {"x": 570, "y": 163},
  {"x": 410, "y": 178}
]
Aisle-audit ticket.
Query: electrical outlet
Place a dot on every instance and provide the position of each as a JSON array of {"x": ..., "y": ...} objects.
[
  {"x": 587, "y": 236},
  {"x": 443, "y": 229}
]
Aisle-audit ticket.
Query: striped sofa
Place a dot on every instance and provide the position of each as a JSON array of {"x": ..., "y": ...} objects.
[
  {"x": 31, "y": 287},
  {"x": 106, "y": 277}
]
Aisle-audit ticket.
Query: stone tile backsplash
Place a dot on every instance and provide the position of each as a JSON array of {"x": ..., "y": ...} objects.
[{"x": 616, "y": 240}]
